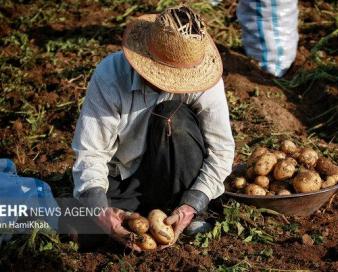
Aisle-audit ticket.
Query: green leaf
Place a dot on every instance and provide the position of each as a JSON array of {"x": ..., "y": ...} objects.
[
  {"x": 205, "y": 243},
  {"x": 127, "y": 13},
  {"x": 46, "y": 247},
  {"x": 266, "y": 252},
  {"x": 248, "y": 239},
  {"x": 225, "y": 227},
  {"x": 240, "y": 228},
  {"x": 216, "y": 232}
]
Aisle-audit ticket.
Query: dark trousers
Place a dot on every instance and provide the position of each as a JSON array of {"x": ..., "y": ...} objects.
[{"x": 170, "y": 165}]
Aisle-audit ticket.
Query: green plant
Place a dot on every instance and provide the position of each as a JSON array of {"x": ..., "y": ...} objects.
[
  {"x": 292, "y": 227},
  {"x": 128, "y": 11},
  {"x": 20, "y": 40},
  {"x": 272, "y": 141},
  {"x": 42, "y": 243},
  {"x": 237, "y": 108},
  {"x": 79, "y": 45},
  {"x": 163, "y": 4},
  {"x": 243, "y": 266},
  {"x": 125, "y": 266},
  {"x": 43, "y": 12},
  {"x": 240, "y": 220},
  {"x": 39, "y": 241},
  {"x": 317, "y": 238},
  {"x": 245, "y": 150},
  {"x": 266, "y": 253},
  {"x": 326, "y": 71},
  {"x": 35, "y": 116}
]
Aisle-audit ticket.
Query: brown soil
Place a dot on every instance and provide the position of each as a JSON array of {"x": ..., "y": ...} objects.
[
  {"x": 270, "y": 110},
  {"x": 280, "y": 118}
]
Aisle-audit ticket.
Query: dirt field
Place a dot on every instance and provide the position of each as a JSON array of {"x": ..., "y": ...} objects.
[{"x": 48, "y": 52}]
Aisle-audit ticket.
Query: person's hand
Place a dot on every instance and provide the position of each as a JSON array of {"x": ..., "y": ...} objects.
[
  {"x": 111, "y": 221},
  {"x": 180, "y": 219}
]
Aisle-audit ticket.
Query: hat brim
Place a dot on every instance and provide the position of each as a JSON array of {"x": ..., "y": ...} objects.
[{"x": 174, "y": 80}]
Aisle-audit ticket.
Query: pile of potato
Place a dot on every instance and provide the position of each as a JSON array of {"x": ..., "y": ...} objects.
[
  {"x": 288, "y": 170},
  {"x": 152, "y": 231}
]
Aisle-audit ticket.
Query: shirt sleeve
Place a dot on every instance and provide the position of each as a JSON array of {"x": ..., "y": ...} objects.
[
  {"x": 213, "y": 114},
  {"x": 94, "y": 141}
]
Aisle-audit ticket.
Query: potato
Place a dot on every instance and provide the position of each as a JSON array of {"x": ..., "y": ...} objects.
[
  {"x": 146, "y": 242},
  {"x": 259, "y": 151},
  {"x": 250, "y": 173},
  {"x": 284, "y": 192},
  {"x": 265, "y": 164},
  {"x": 326, "y": 167},
  {"x": 253, "y": 189},
  {"x": 262, "y": 181},
  {"x": 139, "y": 225},
  {"x": 289, "y": 147},
  {"x": 163, "y": 233},
  {"x": 283, "y": 170},
  {"x": 239, "y": 183},
  {"x": 270, "y": 193},
  {"x": 279, "y": 155},
  {"x": 302, "y": 169},
  {"x": 308, "y": 157},
  {"x": 292, "y": 161},
  {"x": 330, "y": 181},
  {"x": 277, "y": 186},
  {"x": 307, "y": 181}
]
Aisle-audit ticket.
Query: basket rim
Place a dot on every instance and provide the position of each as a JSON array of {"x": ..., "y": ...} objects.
[{"x": 329, "y": 189}]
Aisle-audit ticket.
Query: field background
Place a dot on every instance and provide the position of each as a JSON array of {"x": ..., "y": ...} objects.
[{"x": 49, "y": 50}]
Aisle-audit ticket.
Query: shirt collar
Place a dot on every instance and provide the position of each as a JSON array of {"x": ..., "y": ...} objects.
[
  {"x": 137, "y": 82},
  {"x": 138, "y": 85}
]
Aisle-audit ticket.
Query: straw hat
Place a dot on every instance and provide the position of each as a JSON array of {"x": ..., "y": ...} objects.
[{"x": 173, "y": 51}]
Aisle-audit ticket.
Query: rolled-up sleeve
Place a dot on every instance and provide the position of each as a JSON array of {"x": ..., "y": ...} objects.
[
  {"x": 94, "y": 141},
  {"x": 213, "y": 114}
]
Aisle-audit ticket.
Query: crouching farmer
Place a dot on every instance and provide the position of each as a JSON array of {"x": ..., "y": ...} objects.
[{"x": 154, "y": 130}]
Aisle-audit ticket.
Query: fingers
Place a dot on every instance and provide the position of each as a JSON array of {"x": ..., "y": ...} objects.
[
  {"x": 130, "y": 215},
  {"x": 164, "y": 246},
  {"x": 121, "y": 231},
  {"x": 126, "y": 242},
  {"x": 112, "y": 219},
  {"x": 178, "y": 229},
  {"x": 125, "y": 238},
  {"x": 121, "y": 240},
  {"x": 133, "y": 246},
  {"x": 177, "y": 233},
  {"x": 172, "y": 219}
]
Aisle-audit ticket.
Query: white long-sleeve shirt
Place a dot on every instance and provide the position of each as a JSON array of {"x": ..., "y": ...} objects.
[{"x": 110, "y": 136}]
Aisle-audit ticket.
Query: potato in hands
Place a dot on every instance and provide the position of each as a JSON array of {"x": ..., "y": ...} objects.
[
  {"x": 163, "y": 233},
  {"x": 139, "y": 225},
  {"x": 158, "y": 231},
  {"x": 146, "y": 242}
]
